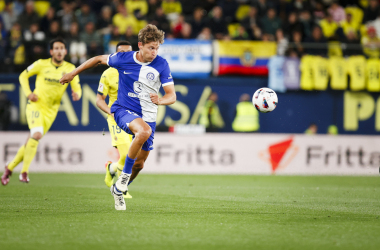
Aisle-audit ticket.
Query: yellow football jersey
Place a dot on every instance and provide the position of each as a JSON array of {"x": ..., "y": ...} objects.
[
  {"x": 307, "y": 79},
  {"x": 373, "y": 74},
  {"x": 48, "y": 89},
  {"x": 320, "y": 73},
  {"x": 338, "y": 72},
  {"x": 356, "y": 70},
  {"x": 108, "y": 85}
]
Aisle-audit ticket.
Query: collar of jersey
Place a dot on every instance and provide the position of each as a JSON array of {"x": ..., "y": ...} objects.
[
  {"x": 55, "y": 65},
  {"x": 137, "y": 61}
]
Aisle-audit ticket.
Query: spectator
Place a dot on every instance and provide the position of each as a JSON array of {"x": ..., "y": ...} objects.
[
  {"x": 197, "y": 23},
  {"x": 337, "y": 12},
  {"x": 205, "y": 34},
  {"x": 241, "y": 34},
  {"x": 229, "y": 8},
  {"x": 3, "y": 43},
  {"x": 256, "y": 34},
  {"x": 138, "y": 8},
  {"x": 270, "y": 23},
  {"x": 217, "y": 24},
  {"x": 319, "y": 12},
  {"x": 123, "y": 20},
  {"x": 372, "y": 11},
  {"x": 317, "y": 44},
  {"x": 352, "y": 44},
  {"x": 115, "y": 35},
  {"x": 84, "y": 16},
  {"x": 208, "y": 5},
  {"x": 66, "y": 15},
  {"x": 250, "y": 21},
  {"x": 348, "y": 25},
  {"x": 210, "y": 116},
  {"x": 296, "y": 43},
  {"x": 177, "y": 27},
  {"x": 77, "y": 48},
  {"x": 247, "y": 116},
  {"x": 54, "y": 31},
  {"x": 34, "y": 43},
  {"x": 312, "y": 129},
  {"x": 329, "y": 27},
  {"x": 8, "y": 15},
  {"x": 152, "y": 7},
  {"x": 371, "y": 43},
  {"x": 172, "y": 9},
  {"x": 15, "y": 42},
  {"x": 186, "y": 31},
  {"x": 161, "y": 21},
  {"x": 282, "y": 42},
  {"x": 307, "y": 23},
  {"x": 105, "y": 20},
  {"x": 47, "y": 20},
  {"x": 299, "y": 5},
  {"x": 292, "y": 23},
  {"x": 332, "y": 130},
  {"x": 262, "y": 7},
  {"x": 92, "y": 39},
  {"x": 188, "y": 7},
  {"x": 28, "y": 16},
  {"x": 130, "y": 37}
]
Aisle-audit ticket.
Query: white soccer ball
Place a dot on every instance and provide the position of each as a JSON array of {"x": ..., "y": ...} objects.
[{"x": 265, "y": 100}]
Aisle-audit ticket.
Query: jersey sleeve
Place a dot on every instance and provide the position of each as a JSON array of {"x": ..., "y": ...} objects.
[
  {"x": 32, "y": 70},
  {"x": 103, "y": 84},
  {"x": 115, "y": 60},
  {"x": 166, "y": 76}
]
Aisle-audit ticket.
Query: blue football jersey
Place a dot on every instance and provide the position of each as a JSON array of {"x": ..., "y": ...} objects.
[{"x": 137, "y": 80}]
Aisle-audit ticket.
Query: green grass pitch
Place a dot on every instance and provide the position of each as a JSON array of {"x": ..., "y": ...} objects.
[{"x": 76, "y": 211}]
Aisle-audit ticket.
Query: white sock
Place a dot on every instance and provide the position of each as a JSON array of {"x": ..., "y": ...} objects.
[{"x": 113, "y": 168}]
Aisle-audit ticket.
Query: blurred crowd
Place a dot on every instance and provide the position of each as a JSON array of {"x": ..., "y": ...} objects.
[{"x": 94, "y": 27}]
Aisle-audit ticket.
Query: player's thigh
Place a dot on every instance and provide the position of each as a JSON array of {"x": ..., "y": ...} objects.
[
  {"x": 118, "y": 136},
  {"x": 34, "y": 117},
  {"x": 49, "y": 116}
]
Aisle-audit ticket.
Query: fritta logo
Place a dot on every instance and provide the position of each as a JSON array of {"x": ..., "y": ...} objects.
[{"x": 280, "y": 154}]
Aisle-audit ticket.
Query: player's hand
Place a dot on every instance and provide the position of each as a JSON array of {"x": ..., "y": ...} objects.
[
  {"x": 75, "y": 96},
  {"x": 113, "y": 115},
  {"x": 33, "y": 97},
  {"x": 66, "y": 78},
  {"x": 154, "y": 98}
]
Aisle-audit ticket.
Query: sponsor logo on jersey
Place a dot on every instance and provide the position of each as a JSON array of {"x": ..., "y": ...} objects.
[
  {"x": 137, "y": 87},
  {"x": 101, "y": 87}
]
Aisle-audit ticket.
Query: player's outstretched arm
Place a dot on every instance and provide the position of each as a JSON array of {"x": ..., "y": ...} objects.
[
  {"x": 169, "y": 98},
  {"x": 90, "y": 63},
  {"x": 101, "y": 103}
]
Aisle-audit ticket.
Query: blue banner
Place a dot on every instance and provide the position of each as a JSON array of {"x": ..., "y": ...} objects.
[
  {"x": 188, "y": 58},
  {"x": 352, "y": 112}
]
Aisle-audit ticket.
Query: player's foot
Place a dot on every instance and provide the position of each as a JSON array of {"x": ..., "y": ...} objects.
[
  {"x": 119, "y": 199},
  {"x": 5, "y": 178},
  {"x": 122, "y": 182},
  {"x": 109, "y": 177},
  {"x": 127, "y": 195},
  {"x": 24, "y": 177}
]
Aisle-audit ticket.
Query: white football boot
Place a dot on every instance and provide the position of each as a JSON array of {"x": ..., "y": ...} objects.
[
  {"x": 119, "y": 199},
  {"x": 122, "y": 182}
]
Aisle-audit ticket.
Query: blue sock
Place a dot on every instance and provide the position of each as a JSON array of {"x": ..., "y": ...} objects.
[
  {"x": 129, "y": 182},
  {"x": 128, "y": 165}
]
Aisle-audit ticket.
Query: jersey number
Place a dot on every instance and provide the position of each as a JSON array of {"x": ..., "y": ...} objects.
[{"x": 118, "y": 129}]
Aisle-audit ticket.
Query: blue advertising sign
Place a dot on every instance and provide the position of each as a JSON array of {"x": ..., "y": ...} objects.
[
  {"x": 352, "y": 112},
  {"x": 188, "y": 58}
]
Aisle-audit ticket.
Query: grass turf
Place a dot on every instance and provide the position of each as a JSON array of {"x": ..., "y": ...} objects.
[{"x": 75, "y": 211}]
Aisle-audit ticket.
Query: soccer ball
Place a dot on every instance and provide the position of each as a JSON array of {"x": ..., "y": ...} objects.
[{"x": 265, "y": 100}]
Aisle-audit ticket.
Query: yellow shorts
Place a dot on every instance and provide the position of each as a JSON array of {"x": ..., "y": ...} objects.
[
  {"x": 39, "y": 119},
  {"x": 118, "y": 135}
]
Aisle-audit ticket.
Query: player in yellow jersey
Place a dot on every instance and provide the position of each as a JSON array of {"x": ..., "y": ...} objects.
[
  {"x": 43, "y": 103},
  {"x": 108, "y": 85}
]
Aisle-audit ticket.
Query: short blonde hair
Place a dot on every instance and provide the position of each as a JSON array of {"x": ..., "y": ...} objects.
[{"x": 151, "y": 34}]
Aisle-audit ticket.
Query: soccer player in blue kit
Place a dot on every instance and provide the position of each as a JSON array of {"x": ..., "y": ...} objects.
[{"x": 141, "y": 74}]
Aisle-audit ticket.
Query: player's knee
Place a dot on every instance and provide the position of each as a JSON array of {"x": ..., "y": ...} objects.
[
  {"x": 144, "y": 133},
  {"x": 37, "y": 133}
]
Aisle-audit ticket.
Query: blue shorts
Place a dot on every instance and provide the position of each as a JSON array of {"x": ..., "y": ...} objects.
[{"x": 123, "y": 117}]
